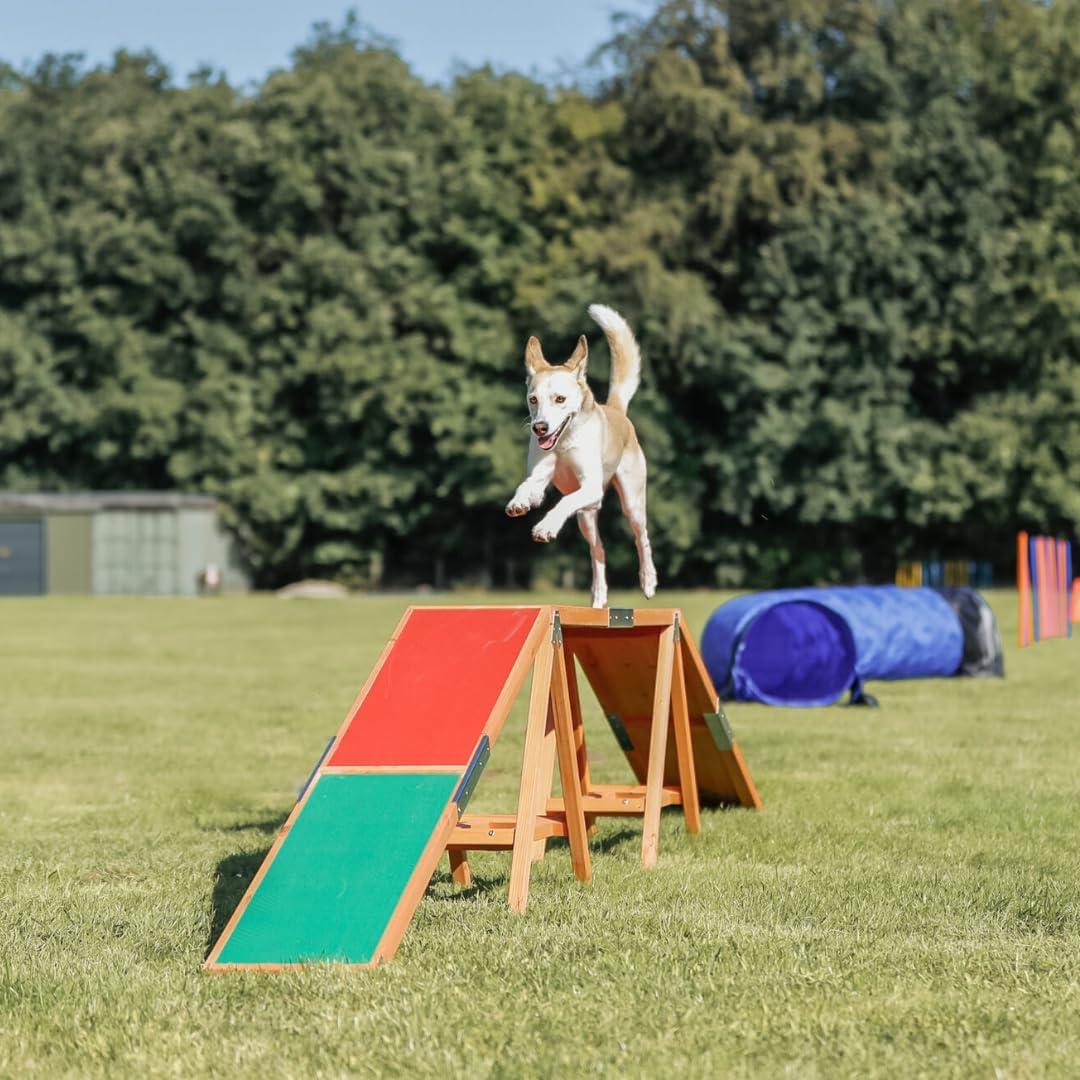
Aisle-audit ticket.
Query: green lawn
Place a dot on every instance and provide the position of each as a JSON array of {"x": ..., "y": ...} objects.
[{"x": 906, "y": 903}]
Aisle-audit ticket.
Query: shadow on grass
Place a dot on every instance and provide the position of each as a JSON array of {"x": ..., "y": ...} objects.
[
  {"x": 269, "y": 825},
  {"x": 231, "y": 879},
  {"x": 599, "y": 845},
  {"x": 442, "y": 885}
]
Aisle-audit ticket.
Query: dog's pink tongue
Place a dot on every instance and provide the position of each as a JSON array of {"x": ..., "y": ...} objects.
[{"x": 549, "y": 442}]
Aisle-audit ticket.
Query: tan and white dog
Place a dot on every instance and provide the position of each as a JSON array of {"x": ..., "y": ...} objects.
[{"x": 582, "y": 446}]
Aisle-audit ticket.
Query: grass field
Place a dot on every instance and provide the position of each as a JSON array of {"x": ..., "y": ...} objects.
[{"x": 907, "y": 903}]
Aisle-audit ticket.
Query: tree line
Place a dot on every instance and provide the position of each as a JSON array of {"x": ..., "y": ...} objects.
[{"x": 847, "y": 233}]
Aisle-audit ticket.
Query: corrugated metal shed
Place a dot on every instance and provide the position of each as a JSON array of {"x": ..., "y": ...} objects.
[
  {"x": 112, "y": 542},
  {"x": 89, "y": 501}
]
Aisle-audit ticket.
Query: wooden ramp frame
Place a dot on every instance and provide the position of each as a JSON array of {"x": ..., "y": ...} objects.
[
  {"x": 350, "y": 865},
  {"x": 652, "y": 685}
]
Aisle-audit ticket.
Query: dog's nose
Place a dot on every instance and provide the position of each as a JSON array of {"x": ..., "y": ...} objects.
[{"x": 541, "y": 428}]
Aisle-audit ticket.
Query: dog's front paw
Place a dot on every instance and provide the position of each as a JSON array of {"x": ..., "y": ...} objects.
[
  {"x": 516, "y": 507},
  {"x": 544, "y": 530},
  {"x": 648, "y": 581}
]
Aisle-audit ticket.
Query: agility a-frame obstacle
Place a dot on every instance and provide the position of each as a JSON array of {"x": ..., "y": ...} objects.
[
  {"x": 353, "y": 860},
  {"x": 652, "y": 686}
]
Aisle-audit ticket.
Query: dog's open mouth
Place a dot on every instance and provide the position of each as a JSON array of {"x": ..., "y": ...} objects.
[{"x": 548, "y": 441}]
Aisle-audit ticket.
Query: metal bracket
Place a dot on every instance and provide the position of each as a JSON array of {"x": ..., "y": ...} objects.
[
  {"x": 622, "y": 736},
  {"x": 318, "y": 765},
  {"x": 620, "y": 616},
  {"x": 472, "y": 775},
  {"x": 720, "y": 730},
  {"x": 675, "y": 628},
  {"x": 556, "y": 629}
]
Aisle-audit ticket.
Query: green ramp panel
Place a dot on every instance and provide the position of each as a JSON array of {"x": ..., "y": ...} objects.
[{"x": 338, "y": 876}]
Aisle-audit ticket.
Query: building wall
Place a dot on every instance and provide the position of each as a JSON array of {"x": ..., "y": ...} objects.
[
  {"x": 202, "y": 541},
  {"x": 22, "y": 562},
  {"x": 68, "y": 560},
  {"x": 135, "y": 552},
  {"x": 147, "y": 552},
  {"x": 159, "y": 552}
]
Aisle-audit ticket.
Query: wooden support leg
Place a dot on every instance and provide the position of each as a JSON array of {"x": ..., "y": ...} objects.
[
  {"x": 530, "y": 791},
  {"x": 578, "y": 725},
  {"x": 684, "y": 749},
  {"x": 459, "y": 867},
  {"x": 577, "y": 831},
  {"x": 654, "y": 783},
  {"x": 547, "y": 779}
]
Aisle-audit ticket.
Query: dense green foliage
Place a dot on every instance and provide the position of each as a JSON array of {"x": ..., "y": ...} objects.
[{"x": 845, "y": 230}]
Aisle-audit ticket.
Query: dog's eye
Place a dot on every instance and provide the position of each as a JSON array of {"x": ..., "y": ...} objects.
[
  {"x": 559, "y": 399},
  {"x": 532, "y": 400}
]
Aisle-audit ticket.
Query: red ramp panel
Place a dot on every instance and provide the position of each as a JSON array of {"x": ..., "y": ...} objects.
[
  {"x": 437, "y": 688},
  {"x": 351, "y": 864},
  {"x": 620, "y": 665}
]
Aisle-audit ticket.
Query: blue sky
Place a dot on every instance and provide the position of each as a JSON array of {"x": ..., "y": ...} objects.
[{"x": 248, "y": 39}]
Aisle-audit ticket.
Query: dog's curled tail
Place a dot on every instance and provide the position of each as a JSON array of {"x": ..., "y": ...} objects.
[{"x": 625, "y": 356}]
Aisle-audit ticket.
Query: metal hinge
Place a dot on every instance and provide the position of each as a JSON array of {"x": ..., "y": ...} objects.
[
  {"x": 472, "y": 775},
  {"x": 720, "y": 729},
  {"x": 675, "y": 627},
  {"x": 620, "y": 616},
  {"x": 318, "y": 765},
  {"x": 556, "y": 629}
]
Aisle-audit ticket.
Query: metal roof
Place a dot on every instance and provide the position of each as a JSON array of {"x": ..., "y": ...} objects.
[{"x": 88, "y": 501}]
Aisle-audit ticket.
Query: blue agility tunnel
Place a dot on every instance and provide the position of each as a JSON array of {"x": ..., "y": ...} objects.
[{"x": 809, "y": 646}]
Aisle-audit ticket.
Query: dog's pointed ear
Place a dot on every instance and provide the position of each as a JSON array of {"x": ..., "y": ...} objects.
[
  {"x": 579, "y": 359},
  {"x": 534, "y": 357}
]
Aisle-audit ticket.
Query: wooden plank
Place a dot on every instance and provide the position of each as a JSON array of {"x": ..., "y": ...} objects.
[
  {"x": 438, "y": 689},
  {"x": 496, "y": 832},
  {"x": 547, "y": 779},
  {"x": 459, "y": 866},
  {"x": 599, "y": 618},
  {"x": 684, "y": 747},
  {"x": 650, "y": 835},
  {"x": 343, "y": 882},
  {"x": 541, "y": 629},
  {"x": 575, "y": 712},
  {"x": 620, "y": 665},
  {"x": 617, "y": 800},
  {"x": 211, "y": 962},
  {"x": 416, "y": 886},
  {"x": 738, "y": 785},
  {"x": 529, "y": 790},
  {"x": 506, "y": 653},
  {"x": 372, "y": 676},
  {"x": 568, "y": 769}
]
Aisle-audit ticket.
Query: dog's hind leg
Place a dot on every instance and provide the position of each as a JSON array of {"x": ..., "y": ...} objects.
[
  {"x": 629, "y": 482},
  {"x": 590, "y": 529}
]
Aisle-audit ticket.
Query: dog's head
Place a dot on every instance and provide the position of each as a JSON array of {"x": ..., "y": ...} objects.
[{"x": 556, "y": 393}]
